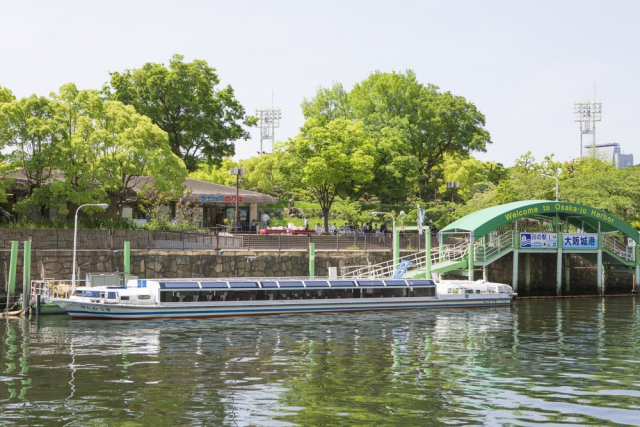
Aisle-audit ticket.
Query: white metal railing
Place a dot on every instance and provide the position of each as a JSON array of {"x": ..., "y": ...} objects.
[
  {"x": 614, "y": 245},
  {"x": 496, "y": 244},
  {"x": 446, "y": 253}
]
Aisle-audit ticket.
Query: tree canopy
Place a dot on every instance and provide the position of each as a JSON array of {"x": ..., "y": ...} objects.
[
  {"x": 201, "y": 121},
  {"x": 412, "y": 126},
  {"x": 77, "y": 147},
  {"x": 328, "y": 159}
]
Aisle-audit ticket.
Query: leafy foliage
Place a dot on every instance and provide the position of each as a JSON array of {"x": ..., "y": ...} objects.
[
  {"x": 328, "y": 159},
  {"x": 182, "y": 100}
]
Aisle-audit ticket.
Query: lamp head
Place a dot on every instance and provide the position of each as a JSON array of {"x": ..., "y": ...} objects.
[
  {"x": 103, "y": 205},
  {"x": 543, "y": 175},
  {"x": 401, "y": 213}
]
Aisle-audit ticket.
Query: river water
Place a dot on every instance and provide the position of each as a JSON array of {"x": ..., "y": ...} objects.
[{"x": 538, "y": 362}]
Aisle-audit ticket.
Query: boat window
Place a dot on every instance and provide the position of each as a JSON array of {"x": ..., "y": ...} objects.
[
  {"x": 77, "y": 293},
  {"x": 91, "y": 294},
  {"x": 124, "y": 298},
  {"x": 367, "y": 283},
  {"x": 214, "y": 285},
  {"x": 316, "y": 284},
  {"x": 243, "y": 284},
  {"x": 111, "y": 295},
  {"x": 420, "y": 282},
  {"x": 179, "y": 285},
  {"x": 395, "y": 283},
  {"x": 144, "y": 296},
  {"x": 342, "y": 283},
  {"x": 291, "y": 284}
]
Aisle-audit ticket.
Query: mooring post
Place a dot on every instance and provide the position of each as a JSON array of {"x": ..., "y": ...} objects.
[
  {"x": 312, "y": 259},
  {"x": 13, "y": 263},
  {"x": 127, "y": 262},
  {"x": 26, "y": 274}
]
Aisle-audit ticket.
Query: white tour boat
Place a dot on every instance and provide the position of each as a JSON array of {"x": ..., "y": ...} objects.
[{"x": 201, "y": 298}]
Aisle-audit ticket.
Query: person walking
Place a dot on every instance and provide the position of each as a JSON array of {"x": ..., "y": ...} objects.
[
  {"x": 306, "y": 223},
  {"x": 383, "y": 230},
  {"x": 265, "y": 220}
]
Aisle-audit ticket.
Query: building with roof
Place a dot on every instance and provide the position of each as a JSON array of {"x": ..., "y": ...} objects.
[{"x": 214, "y": 204}]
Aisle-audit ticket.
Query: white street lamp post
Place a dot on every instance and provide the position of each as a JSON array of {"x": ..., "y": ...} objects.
[
  {"x": 386, "y": 213},
  {"x": 554, "y": 177},
  {"x": 75, "y": 239}
]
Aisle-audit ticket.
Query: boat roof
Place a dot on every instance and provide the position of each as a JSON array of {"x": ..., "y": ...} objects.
[{"x": 279, "y": 283}]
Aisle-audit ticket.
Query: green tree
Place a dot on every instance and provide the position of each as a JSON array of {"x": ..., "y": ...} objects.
[
  {"x": 262, "y": 174},
  {"x": 328, "y": 158},
  {"x": 201, "y": 121},
  {"x": 30, "y": 129},
  {"x": 411, "y": 125},
  {"x": 598, "y": 183},
  {"x": 217, "y": 174},
  {"x": 5, "y": 97},
  {"x": 109, "y": 148},
  {"x": 418, "y": 125}
]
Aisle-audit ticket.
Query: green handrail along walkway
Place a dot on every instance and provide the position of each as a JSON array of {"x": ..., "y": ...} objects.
[{"x": 483, "y": 237}]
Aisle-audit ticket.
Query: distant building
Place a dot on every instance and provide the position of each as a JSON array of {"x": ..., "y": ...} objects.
[
  {"x": 608, "y": 153},
  {"x": 214, "y": 204}
]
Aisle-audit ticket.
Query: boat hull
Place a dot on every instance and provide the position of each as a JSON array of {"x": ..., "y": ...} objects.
[{"x": 86, "y": 310}]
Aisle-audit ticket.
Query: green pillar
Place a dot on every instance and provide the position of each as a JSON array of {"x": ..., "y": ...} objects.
[
  {"x": 567, "y": 274},
  {"x": 599, "y": 264},
  {"x": 516, "y": 253},
  {"x": 13, "y": 264},
  {"x": 127, "y": 262},
  {"x": 396, "y": 248},
  {"x": 559, "y": 266},
  {"x": 26, "y": 274},
  {"x": 514, "y": 276},
  {"x": 636, "y": 252},
  {"x": 485, "y": 267},
  {"x": 427, "y": 244},
  {"x": 470, "y": 255},
  {"x": 527, "y": 272},
  {"x": 312, "y": 260}
]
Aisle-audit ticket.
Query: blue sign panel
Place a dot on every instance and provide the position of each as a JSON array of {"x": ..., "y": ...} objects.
[
  {"x": 538, "y": 240},
  {"x": 401, "y": 269},
  {"x": 580, "y": 240}
]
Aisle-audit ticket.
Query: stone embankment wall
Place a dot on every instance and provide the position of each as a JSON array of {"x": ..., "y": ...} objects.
[
  {"x": 582, "y": 275},
  {"x": 172, "y": 264}
]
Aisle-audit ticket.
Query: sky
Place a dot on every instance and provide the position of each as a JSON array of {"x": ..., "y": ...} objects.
[{"x": 522, "y": 63}]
